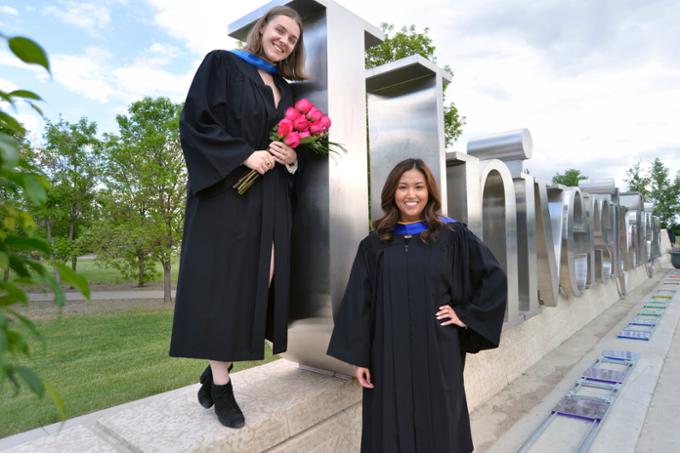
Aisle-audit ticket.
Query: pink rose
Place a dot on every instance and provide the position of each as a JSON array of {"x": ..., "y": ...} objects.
[
  {"x": 292, "y": 139},
  {"x": 292, "y": 114},
  {"x": 285, "y": 127},
  {"x": 301, "y": 124},
  {"x": 314, "y": 114},
  {"x": 304, "y": 134},
  {"x": 316, "y": 128},
  {"x": 325, "y": 122},
  {"x": 303, "y": 105}
]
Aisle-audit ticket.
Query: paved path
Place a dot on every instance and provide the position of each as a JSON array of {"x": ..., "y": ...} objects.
[
  {"x": 660, "y": 432},
  {"x": 642, "y": 419},
  {"x": 104, "y": 295}
]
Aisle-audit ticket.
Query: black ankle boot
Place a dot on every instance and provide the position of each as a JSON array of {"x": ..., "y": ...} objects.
[
  {"x": 204, "y": 397},
  {"x": 226, "y": 407}
]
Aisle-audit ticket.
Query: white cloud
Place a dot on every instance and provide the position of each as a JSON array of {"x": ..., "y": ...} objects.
[
  {"x": 95, "y": 75},
  {"x": 4, "y": 9},
  {"x": 137, "y": 81},
  {"x": 85, "y": 74},
  {"x": 159, "y": 54},
  {"x": 88, "y": 16},
  {"x": 33, "y": 125},
  {"x": 201, "y": 24},
  {"x": 6, "y": 86}
]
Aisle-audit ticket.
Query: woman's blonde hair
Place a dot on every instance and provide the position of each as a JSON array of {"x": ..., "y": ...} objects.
[{"x": 293, "y": 67}]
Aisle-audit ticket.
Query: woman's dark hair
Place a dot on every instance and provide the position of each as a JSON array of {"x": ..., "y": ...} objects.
[
  {"x": 293, "y": 67},
  {"x": 431, "y": 213}
]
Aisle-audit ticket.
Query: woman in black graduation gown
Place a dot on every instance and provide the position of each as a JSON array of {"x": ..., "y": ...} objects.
[
  {"x": 423, "y": 291},
  {"x": 235, "y": 259}
]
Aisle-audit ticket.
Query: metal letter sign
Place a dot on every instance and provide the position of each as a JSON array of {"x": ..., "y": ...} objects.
[{"x": 547, "y": 237}]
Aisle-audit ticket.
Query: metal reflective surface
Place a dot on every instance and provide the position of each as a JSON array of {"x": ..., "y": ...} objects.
[
  {"x": 588, "y": 225},
  {"x": 499, "y": 226},
  {"x": 635, "y": 204},
  {"x": 574, "y": 254},
  {"x": 545, "y": 236},
  {"x": 463, "y": 191},
  {"x": 506, "y": 146},
  {"x": 527, "y": 285},
  {"x": 547, "y": 257},
  {"x": 656, "y": 240},
  {"x": 622, "y": 246},
  {"x": 411, "y": 87},
  {"x": 603, "y": 239}
]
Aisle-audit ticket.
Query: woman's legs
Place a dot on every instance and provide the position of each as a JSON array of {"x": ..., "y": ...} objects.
[
  {"x": 271, "y": 266},
  {"x": 220, "y": 372}
]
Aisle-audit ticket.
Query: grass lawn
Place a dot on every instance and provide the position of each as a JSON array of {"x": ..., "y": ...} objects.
[
  {"x": 99, "y": 361},
  {"x": 97, "y": 274}
]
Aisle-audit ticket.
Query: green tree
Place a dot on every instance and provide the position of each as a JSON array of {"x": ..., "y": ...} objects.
[
  {"x": 637, "y": 181},
  {"x": 147, "y": 177},
  {"x": 71, "y": 159},
  {"x": 404, "y": 43},
  {"x": 664, "y": 193},
  {"x": 570, "y": 178},
  {"x": 656, "y": 187},
  {"x": 23, "y": 188}
]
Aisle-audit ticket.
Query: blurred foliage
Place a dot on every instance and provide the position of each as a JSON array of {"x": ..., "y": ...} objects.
[
  {"x": 570, "y": 178},
  {"x": 22, "y": 253}
]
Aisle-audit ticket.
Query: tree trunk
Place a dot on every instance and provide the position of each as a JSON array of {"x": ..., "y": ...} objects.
[
  {"x": 71, "y": 239},
  {"x": 5, "y": 275},
  {"x": 48, "y": 227},
  {"x": 167, "y": 295},
  {"x": 141, "y": 266}
]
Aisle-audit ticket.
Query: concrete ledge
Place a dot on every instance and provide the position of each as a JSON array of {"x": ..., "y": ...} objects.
[{"x": 286, "y": 408}]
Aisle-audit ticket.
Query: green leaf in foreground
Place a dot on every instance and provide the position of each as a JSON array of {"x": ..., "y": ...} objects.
[
  {"x": 27, "y": 243},
  {"x": 35, "y": 191},
  {"x": 25, "y": 94},
  {"x": 8, "y": 150},
  {"x": 69, "y": 276},
  {"x": 29, "y": 51},
  {"x": 56, "y": 399},
  {"x": 11, "y": 123},
  {"x": 32, "y": 380}
]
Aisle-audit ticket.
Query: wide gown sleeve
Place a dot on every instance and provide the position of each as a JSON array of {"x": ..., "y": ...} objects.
[
  {"x": 484, "y": 310},
  {"x": 210, "y": 151},
  {"x": 351, "y": 337}
]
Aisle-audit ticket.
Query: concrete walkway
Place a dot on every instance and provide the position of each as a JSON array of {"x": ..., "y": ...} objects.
[
  {"x": 103, "y": 295},
  {"x": 661, "y": 433},
  {"x": 640, "y": 419}
]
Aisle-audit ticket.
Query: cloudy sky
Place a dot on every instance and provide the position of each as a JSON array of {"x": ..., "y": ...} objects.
[{"x": 597, "y": 82}]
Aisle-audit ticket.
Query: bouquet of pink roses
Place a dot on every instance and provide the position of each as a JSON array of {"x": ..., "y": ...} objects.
[{"x": 303, "y": 125}]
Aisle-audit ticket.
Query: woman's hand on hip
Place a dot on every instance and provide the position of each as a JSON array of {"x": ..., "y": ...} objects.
[
  {"x": 446, "y": 311},
  {"x": 363, "y": 375},
  {"x": 283, "y": 153},
  {"x": 260, "y": 161}
]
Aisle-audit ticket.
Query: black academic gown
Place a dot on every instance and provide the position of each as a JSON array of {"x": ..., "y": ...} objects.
[
  {"x": 222, "y": 292},
  {"x": 387, "y": 323}
]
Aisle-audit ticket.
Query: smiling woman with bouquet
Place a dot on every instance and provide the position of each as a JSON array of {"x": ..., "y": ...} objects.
[{"x": 234, "y": 271}]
